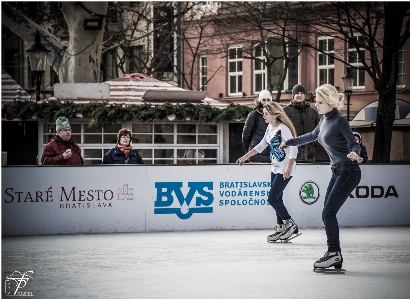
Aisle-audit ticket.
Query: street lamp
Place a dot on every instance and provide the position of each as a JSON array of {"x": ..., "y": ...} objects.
[
  {"x": 348, "y": 81},
  {"x": 37, "y": 55}
]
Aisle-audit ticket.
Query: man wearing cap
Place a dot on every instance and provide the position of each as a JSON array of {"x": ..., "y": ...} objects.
[
  {"x": 255, "y": 127},
  {"x": 304, "y": 119},
  {"x": 62, "y": 149}
]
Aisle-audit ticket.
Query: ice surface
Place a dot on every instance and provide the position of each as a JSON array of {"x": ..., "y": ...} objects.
[{"x": 210, "y": 264}]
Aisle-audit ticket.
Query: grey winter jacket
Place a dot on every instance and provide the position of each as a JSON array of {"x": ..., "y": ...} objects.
[
  {"x": 253, "y": 132},
  {"x": 305, "y": 120}
]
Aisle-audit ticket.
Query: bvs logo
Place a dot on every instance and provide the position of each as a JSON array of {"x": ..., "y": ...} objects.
[{"x": 165, "y": 198}]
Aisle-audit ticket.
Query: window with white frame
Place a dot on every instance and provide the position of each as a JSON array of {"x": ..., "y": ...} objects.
[
  {"x": 235, "y": 70},
  {"x": 259, "y": 70},
  {"x": 157, "y": 143},
  {"x": 402, "y": 67},
  {"x": 326, "y": 65},
  {"x": 275, "y": 49},
  {"x": 203, "y": 73},
  {"x": 353, "y": 58}
]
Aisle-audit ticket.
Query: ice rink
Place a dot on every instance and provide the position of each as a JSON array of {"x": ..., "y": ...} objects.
[{"x": 237, "y": 264}]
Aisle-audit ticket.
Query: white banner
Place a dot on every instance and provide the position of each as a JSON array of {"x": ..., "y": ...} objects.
[{"x": 104, "y": 199}]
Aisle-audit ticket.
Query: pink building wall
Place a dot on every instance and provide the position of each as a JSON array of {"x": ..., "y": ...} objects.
[{"x": 308, "y": 76}]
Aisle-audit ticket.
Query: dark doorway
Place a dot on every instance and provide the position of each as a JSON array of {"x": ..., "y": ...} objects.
[
  {"x": 236, "y": 149},
  {"x": 20, "y": 140}
]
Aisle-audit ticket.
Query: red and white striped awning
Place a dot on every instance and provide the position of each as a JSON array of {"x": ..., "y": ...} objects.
[
  {"x": 11, "y": 90},
  {"x": 135, "y": 89},
  {"x": 131, "y": 88}
]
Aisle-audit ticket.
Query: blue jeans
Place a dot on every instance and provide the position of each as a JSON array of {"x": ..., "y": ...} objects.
[
  {"x": 345, "y": 177},
  {"x": 275, "y": 198}
]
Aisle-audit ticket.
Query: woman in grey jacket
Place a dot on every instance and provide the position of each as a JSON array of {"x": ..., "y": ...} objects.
[{"x": 335, "y": 135}]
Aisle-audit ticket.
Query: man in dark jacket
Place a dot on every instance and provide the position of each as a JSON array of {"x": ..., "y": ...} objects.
[
  {"x": 62, "y": 149},
  {"x": 304, "y": 119},
  {"x": 255, "y": 127}
]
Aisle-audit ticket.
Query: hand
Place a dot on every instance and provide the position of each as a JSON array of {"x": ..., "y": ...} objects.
[
  {"x": 286, "y": 174},
  {"x": 283, "y": 145},
  {"x": 67, "y": 155},
  {"x": 353, "y": 156},
  {"x": 241, "y": 160}
]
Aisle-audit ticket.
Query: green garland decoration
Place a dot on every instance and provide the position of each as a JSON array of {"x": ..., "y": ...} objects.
[{"x": 102, "y": 114}]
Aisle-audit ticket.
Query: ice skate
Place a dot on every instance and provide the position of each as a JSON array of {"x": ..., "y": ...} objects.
[
  {"x": 290, "y": 231},
  {"x": 331, "y": 259},
  {"x": 276, "y": 235}
]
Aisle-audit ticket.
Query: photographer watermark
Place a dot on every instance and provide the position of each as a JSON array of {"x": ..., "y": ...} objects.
[{"x": 16, "y": 282}]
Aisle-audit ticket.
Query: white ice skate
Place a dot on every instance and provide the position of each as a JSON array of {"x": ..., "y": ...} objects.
[
  {"x": 290, "y": 231},
  {"x": 331, "y": 259},
  {"x": 276, "y": 235}
]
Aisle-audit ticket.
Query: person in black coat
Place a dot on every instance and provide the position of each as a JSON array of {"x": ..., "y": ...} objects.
[
  {"x": 255, "y": 127},
  {"x": 304, "y": 119},
  {"x": 123, "y": 153}
]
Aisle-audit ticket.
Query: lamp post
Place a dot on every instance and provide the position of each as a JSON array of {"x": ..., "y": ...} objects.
[
  {"x": 348, "y": 81},
  {"x": 37, "y": 55}
]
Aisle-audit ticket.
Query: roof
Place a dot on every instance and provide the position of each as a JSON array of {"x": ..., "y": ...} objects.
[
  {"x": 136, "y": 88},
  {"x": 11, "y": 90},
  {"x": 131, "y": 88}
]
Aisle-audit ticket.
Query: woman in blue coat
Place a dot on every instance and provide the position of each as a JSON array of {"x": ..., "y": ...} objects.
[{"x": 123, "y": 153}]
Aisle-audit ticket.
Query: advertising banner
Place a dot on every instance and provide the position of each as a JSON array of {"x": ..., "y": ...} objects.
[
  {"x": 381, "y": 198},
  {"x": 70, "y": 200},
  {"x": 127, "y": 198}
]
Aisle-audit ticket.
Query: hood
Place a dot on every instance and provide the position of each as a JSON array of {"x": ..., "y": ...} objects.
[{"x": 302, "y": 105}]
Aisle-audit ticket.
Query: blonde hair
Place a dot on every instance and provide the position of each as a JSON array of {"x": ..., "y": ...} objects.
[
  {"x": 331, "y": 96},
  {"x": 276, "y": 110}
]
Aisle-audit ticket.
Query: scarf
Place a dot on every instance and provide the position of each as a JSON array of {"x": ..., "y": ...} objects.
[{"x": 125, "y": 149}]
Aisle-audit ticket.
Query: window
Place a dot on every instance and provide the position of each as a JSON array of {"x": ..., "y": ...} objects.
[
  {"x": 326, "y": 64},
  {"x": 276, "y": 52},
  {"x": 157, "y": 143},
  {"x": 135, "y": 58},
  {"x": 235, "y": 70},
  {"x": 402, "y": 67},
  {"x": 275, "y": 49},
  {"x": 176, "y": 143},
  {"x": 293, "y": 52},
  {"x": 259, "y": 70},
  {"x": 203, "y": 70},
  {"x": 109, "y": 68},
  {"x": 353, "y": 58}
]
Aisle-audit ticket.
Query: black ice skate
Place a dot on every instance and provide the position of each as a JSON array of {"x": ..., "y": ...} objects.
[
  {"x": 290, "y": 231},
  {"x": 331, "y": 259}
]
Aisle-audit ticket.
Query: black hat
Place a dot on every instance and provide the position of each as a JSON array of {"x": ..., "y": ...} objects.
[{"x": 298, "y": 88}]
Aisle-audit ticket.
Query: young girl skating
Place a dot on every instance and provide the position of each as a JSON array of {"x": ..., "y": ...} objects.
[{"x": 279, "y": 129}]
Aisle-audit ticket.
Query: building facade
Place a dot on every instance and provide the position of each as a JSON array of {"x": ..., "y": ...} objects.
[{"x": 212, "y": 48}]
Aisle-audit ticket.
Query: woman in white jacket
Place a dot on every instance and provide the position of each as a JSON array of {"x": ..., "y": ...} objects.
[{"x": 280, "y": 129}]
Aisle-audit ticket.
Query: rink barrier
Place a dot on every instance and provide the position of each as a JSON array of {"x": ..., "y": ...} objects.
[{"x": 49, "y": 200}]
